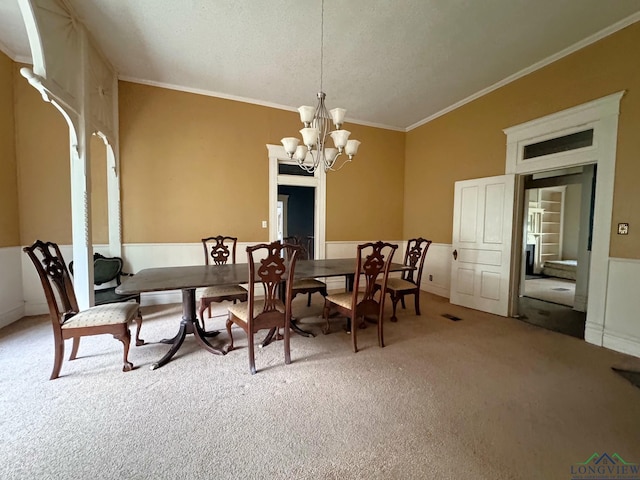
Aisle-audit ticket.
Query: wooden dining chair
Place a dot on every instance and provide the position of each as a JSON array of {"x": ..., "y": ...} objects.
[
  {"x": 269, "y": 267},
  {"x": 307, "y": 286},
  {"x": 409, "y": 281},
  {"x": 372, "y": 263},
  {"x": 219, "y": 250},
  {"x": 66, "y": 318}
]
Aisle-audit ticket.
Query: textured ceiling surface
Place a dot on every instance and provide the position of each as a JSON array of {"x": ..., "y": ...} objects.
[{"x": 389, "y": 63}]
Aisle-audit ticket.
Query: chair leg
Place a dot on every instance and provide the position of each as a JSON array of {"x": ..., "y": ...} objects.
[
  {"x": 380, "y": 332},
  {"x": 203, "y": 306},
  {"x": 252, "y": 357},
  {"x": 287, "y": 345},
  {"x": 125, "y": 338},
  {"x": 325, "y": 315},
  {"x": 354, "y": 334},
  {"x": 402, "y": 300},
  {"x": 209, "y": 311},
  {"x": 58, "y": 353},
  {"x": 394, "y": 302},
  {"x": 309, "y": 299},
  {"x": 74, "y": 348},
  {"x": 138, "y": 320},
  {"x": 417, "y": 302},
  {"x": 230, "y": 346}
]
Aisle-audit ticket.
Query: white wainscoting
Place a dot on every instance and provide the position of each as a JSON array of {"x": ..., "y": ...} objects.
[
  {"x": 621, "y": 322},
  {"x": 148, "y": 255},
  {"x": 11, "y": 297},
  {"x": 436, "y": 275},
  {"x": 21, "y": 292}
]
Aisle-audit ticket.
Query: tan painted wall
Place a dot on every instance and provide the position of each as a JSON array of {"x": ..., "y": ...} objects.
[
  {"x": 469, "y": 142},
  {"x": 42, "y": 152},
  {"x": 9, "y": 223},
  {"x": 193, "y": 166}
]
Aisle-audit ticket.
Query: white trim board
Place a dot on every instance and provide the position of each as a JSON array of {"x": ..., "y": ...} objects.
[{"x": 602, "y": 116}]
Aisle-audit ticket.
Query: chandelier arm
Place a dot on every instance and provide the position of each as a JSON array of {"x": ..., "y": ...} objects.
[
  {"x": 344, "y": 162},
  {"x": 310, "y": 168}
]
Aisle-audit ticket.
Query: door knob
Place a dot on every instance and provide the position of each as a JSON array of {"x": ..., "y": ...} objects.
[{"x": 455, "y": 254}]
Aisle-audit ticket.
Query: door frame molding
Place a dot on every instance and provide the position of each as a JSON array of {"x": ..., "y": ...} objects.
[
  {"x": 601, "y": 115},
  {"x": 277, "y": 155}
]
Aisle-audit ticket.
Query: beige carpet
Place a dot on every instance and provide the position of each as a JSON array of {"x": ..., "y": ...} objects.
[
  {"x": 555, "y": 290},
  {"x": 481, "y": 398}
]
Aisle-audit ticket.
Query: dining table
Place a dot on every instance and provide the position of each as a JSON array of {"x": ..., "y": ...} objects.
[{"x": 189, "y": 278}]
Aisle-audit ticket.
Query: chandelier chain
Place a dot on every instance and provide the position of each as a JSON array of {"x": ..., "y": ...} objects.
[
  {"x": 317, "y": 121},
  {"x": 321, "y": 44}
]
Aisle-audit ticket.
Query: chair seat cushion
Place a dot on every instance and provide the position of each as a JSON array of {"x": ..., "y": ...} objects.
[
  {"x": 398, "y": 284},
  {"x": 109, "y": 314},
  {"x": 223, "y": 291},
  {"x": 241, "y": 310},
  {"x": 308, "y": 283},
  {"x": 344, "y": 299}
]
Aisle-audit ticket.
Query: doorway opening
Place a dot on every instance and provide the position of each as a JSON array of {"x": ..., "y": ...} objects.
[
  {"x": 557, "y": 228},
  {"x": 297, "y": 204}
]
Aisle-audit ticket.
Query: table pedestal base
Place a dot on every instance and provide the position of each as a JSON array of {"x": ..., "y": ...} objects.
[{"x": 189, "y": 324}]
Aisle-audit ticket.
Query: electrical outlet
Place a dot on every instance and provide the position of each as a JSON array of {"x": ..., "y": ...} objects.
[
  {"x": 431, "y": 278},
  {"x": 623, "y": 229},
  {"x": 264, "y": 224}
]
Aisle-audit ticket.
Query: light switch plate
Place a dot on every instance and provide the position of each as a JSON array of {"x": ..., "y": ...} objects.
[{"x": 623, "y": 229}]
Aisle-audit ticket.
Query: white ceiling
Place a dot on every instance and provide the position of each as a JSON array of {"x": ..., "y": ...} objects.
[{"x": 391, "y": 63}]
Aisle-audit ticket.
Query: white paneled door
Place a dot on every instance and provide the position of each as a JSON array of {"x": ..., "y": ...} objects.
[{"x": 482, "y": 229}]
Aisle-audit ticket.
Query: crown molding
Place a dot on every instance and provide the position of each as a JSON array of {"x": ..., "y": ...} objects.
[
  {"x": 225, "y": 96},
  {"x": 536, "y": 66}
]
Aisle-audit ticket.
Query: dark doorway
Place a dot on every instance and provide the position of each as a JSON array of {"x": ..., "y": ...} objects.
[
  {"x": 300, "y": 207},
  {"x": 558, "y": 221}
]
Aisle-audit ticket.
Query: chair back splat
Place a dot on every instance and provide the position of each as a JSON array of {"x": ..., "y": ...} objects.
[
  {"x": 66, "y": 318},
  {"x": 271, "y": 268},
  {"x": 372, "y": 264},
  {"x": 219, "y": 250}
]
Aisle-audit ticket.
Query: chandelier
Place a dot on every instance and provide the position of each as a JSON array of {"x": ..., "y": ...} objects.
[{"x": 313, "y": 152}]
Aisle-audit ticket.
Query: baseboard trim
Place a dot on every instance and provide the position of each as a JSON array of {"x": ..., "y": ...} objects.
[
  {"x": 12, "y": 315},
  {"x": 628, "y": 345},
  {"x": 439, "y": 290},
  {"x": 593, "y": 334}
]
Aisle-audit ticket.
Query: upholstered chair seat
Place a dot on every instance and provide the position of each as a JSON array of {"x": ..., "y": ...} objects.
[
  {"x": 241, "y": 310},
  {"x": 223, "y": 291},
  {"x": 108, "y": 314},
  {"x": 398, "y": 284},
  {"x": 344, "y": 299}
]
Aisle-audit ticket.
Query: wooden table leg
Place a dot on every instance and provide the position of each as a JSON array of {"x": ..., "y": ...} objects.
[{"x": 189, "y": 324}]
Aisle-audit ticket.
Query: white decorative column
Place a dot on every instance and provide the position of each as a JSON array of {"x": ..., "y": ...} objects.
[{"x": 71, "y": 73}]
